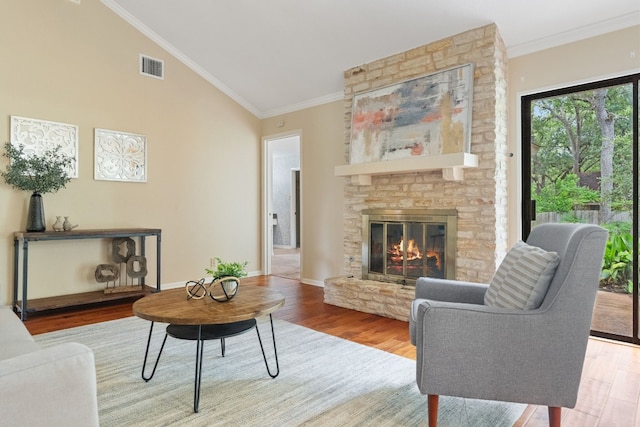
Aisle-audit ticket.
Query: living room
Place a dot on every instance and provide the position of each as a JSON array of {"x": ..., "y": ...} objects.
[{"x": 77, "y": 64}]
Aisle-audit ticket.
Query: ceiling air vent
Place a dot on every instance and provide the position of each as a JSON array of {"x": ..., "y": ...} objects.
[{"x": 151, "y": 67}]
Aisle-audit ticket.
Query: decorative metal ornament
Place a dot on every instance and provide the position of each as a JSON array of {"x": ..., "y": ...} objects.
[
  {"x": 220, "y": 290},
  {"x": 196, "y": 289},
  {"x": 224, "y": 288}
]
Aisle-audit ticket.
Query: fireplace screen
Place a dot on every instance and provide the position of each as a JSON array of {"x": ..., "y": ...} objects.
[{"x": 404, "y": 245}]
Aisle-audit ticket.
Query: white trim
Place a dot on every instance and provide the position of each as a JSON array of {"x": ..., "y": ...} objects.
[
  {"x": 267, "y": 205},
  {"x": 337, "y": 96},
  {"x": 580, "y": 33},
  {"x": 293, "y": 212},
  {"x": 312, "y": 282},
  {"x": 586, "y": 80}
]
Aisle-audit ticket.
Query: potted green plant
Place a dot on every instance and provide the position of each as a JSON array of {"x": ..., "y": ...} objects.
[
  {"x": 38, "y": 173},
  {"x": 227, "y": 269},
  {"x": 226, "y": 279}
]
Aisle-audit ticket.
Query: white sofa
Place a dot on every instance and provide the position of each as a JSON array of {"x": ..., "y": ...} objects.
[{"x": 53, "y": 386}]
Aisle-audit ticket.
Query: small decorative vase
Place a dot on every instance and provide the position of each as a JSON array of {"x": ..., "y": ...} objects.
[
  {"x": 58, "y": 225},
  {"x": 224, "y": 288},
  {"x": 67, "y": 224},
  {"x": 35, "y": 215}
]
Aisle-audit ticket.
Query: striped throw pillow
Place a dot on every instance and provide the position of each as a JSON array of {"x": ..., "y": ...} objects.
[{"x": 523, "y": 278}]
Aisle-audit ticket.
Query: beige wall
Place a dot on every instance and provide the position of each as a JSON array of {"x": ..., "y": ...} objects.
[
  {"x": 321, "y": 148},
  {"x": 77, "y": 64},
  {"x": 610, "y": 55}
]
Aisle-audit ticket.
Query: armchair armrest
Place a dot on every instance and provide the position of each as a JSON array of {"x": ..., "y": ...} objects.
[
  {"x": 36, "y": 387},
  {"x": 428, "y": 288},
  {"x": 450, "y": 290}
]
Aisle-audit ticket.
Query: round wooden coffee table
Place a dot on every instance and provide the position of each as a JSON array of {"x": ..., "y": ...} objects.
[{"x": 205, "y": 319}]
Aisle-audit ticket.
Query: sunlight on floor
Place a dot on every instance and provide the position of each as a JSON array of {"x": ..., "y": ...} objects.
[{"x": 286, "y": 263}]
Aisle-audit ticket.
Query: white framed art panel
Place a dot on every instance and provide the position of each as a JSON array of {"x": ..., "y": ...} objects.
[
  {"x": 39, "y": 136},
  {"x": 120, "y": 156}
]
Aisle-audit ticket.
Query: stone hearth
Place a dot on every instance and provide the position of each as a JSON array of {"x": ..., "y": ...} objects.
[{"x": 369, "y": 296}]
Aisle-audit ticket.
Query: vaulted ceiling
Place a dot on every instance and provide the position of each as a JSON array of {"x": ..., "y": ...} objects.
[{"x": 276, "y": 56}]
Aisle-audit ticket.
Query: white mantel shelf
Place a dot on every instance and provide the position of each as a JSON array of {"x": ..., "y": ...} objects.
[{"x": 452, "y": 166}]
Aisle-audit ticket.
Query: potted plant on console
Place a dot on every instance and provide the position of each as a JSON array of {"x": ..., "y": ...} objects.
[
  {"x": 38, "y": 173},
  {"x": 226, "y": 279}
]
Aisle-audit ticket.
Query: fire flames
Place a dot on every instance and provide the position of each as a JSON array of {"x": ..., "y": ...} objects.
[
  {"x": 397, "y": 251},
  {"x": 413, "y": 253}
]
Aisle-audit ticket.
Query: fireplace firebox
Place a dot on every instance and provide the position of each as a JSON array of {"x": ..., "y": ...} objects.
[{"x": 403, "y": 245}]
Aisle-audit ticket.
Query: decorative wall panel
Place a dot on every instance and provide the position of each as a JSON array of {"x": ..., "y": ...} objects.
[
  {"x": 120, "y": 156},
  {"x": 39, "y": 136}
]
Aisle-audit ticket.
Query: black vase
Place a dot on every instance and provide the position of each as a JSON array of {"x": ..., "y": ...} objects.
[{"x": 35, "y": 216}]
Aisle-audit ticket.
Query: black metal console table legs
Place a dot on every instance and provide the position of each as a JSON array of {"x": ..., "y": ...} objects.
[{"x": 202, "y": 333}]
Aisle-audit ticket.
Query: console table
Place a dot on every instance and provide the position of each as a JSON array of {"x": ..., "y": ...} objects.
[{"x": 76, "y": 299}]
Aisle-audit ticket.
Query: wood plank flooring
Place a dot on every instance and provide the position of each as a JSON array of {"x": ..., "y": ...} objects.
[{"x": 609, "y": 393}]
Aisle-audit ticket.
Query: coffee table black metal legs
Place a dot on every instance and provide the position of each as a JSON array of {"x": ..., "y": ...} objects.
[
  {"x": 198, "y": 380},
  {"x": 146, "y": 353},
  {"x": 202, "y": 333},
  {"x": 275, "y": 350}
]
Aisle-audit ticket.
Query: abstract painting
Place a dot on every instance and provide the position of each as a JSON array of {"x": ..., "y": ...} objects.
[
  {"x": 120, "y": 156},
  {"x": 426, "y": 116},
  {"x": 39, "y": 136}
]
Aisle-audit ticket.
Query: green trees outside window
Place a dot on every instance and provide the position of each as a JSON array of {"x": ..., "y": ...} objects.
[{"x": 582, "y": 169}]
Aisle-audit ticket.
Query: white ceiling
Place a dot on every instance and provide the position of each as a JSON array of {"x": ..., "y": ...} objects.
[{"x": 276, "y": 56}]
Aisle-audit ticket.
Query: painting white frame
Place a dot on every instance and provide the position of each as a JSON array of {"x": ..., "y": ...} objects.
[
  {"x": 39, "y": 136},
  {"x": 120, "y": 156}
]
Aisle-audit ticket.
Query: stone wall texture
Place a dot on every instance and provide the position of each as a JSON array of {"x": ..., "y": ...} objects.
[{"x": 481, "y": 198}]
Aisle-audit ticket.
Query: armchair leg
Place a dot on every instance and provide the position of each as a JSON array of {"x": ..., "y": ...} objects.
[
  {"x": 432, "y": 406},
  {"x": 555, "y": 413}
]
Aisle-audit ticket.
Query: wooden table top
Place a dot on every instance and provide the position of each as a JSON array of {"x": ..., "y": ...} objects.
[{"x": 172, "y": 306}]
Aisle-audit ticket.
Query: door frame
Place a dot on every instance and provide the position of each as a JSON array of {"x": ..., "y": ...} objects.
[
  {"x": 293, "y": 223},
  {"x": 528, "y": 206},
  {"x": 267, "y": 194}
]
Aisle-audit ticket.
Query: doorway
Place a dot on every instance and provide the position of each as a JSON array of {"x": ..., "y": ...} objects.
[
  {"x": 580, "y": 164},
  {"x": 281, "y": 211}
]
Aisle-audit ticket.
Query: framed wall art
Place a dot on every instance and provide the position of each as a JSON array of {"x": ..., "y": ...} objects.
[
  {"x": 120, "y": 156},
  {"x": 39, "y": 136},
  {"x": 425, "y": 116}
]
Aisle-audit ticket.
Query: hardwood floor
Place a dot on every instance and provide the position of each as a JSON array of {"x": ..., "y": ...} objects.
[{"x": 609, "y": 391}]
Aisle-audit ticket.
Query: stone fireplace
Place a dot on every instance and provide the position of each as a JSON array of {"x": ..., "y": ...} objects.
[{"x": 479, "y": 196}]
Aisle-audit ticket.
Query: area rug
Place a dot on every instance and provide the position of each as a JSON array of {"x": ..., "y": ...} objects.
[{"x": 323, "y": 381}]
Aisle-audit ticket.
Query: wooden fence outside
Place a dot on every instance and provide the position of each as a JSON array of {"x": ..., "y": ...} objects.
[{"x": 584, "y": 216}]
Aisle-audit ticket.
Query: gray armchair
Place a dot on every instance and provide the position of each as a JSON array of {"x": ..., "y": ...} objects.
[{"x": 468, "y": 349}]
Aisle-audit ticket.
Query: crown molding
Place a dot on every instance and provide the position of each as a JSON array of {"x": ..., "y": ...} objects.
[
  {"x": 337, "y": 96},
  {"x": 580, "y": 33}
]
